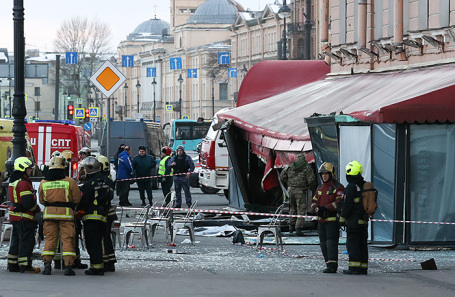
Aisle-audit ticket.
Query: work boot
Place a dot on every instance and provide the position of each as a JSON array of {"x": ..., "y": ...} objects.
[
  {"x": 13, "y": 267},
  {"x": 143, "y": 203},
  {"x": 57, "y": 264},
  {"x": 329, "y": 270},
  {"x": 78, "y": 265},
  {"x": 69, "y": 271},
  {"x": 47, "y": 268},
  {"x": 298, "y": 232},
  {"x": 29, "y": 269},
  {"x": 352, "y": 272},
  {"x": 91, "y": 271},
  {"x": 291, "y": 228},
  {"x": 109, "y": 267}
]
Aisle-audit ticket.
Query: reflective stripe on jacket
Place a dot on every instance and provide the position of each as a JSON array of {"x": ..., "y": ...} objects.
[
  {"x": 64, "y": 191},
  {"x": 162, "y": 167},
  {"x": 19, "y": 191}
]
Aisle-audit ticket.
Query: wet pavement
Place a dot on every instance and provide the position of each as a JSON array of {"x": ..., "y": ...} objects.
[{"x": 214, "y": 266}]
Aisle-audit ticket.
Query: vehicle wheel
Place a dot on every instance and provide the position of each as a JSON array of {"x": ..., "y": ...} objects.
[
  {"x": 207, "y": 190},
  {"x": 226, "y": 194}
]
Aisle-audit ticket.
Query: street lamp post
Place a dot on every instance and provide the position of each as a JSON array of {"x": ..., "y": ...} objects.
[
  {"x": 154, "y": 102},
  {"x": 212, "y": 76},
  {"x": 180, "y": 80},
  {"x": 284, "y": 12},
  {"x": 9, "y": 96},
  {"x": 138, "y": 87},
  {"x": 20, "y": 112},
  {"x": 125, "y": 89}
]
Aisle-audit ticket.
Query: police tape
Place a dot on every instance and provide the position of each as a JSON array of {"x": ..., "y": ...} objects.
[
  {"x": 273, "y": 214},
  {"x": 175, "y": 174}
]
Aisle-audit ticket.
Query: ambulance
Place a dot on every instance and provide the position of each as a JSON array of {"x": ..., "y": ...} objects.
[{"x": 47, "y": 137}]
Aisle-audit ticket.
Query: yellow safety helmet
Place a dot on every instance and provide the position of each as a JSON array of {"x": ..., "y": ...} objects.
[
  {"x": 67, "y": 154},
  {"x": 326, "y": 167},
  {"x": 354, "y": 168},
  {"x": 104, "y": 162},
  {"x": 22, "y": 163},
  {"x": 57, "y": 162},
  {"x": 55, "y": 154}
]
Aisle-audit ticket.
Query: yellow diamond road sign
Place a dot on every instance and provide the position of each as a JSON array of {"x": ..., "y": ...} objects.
[{"x": 108, "y": 78}]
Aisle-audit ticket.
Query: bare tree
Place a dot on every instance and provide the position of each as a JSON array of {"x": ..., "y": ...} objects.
[{"x": 89, "y": 39}]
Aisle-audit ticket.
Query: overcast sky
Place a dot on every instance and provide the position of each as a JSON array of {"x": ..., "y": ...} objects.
[{"x": 44, "y": 17}]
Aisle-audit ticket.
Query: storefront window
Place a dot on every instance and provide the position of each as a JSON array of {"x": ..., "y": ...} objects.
[
  {"x": 384, "y": 179},
  {"x": 431, "y": 181}
]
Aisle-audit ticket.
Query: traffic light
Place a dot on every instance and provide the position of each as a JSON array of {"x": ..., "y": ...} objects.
[
  {"x": 87, "y": 114},
  {"x": 70, "y": 111}
]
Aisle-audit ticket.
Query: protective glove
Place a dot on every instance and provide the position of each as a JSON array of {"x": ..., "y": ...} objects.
[{"x": 323, "y": 212}]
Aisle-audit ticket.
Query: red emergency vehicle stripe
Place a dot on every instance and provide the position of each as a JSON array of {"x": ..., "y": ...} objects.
[{"x": 40, "y": 151}]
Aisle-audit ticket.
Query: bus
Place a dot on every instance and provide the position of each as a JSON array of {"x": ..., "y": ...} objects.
[{"x": 188, "y": 133}]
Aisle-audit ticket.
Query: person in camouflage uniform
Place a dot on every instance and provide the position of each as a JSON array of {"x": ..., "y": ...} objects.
[{"x": 299, "y": 178}]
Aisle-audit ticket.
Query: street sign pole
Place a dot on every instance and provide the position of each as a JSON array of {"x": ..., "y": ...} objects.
[{"x": 108, "y": 125}]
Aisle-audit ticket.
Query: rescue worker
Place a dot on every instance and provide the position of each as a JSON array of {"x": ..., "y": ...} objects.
[
  {"x": 109, "y": 258},
  {"x": 300, "y": 179},
  {"x": 125, "y": 171},
  {"x": 83, "y": 153},
  {"x": 143, "y": 166},
  {"x": 94, "y": 206},
  {"x": 164, "y": 169},
  {"x": 183, "y": 165},
  {"x": 22, "y": 216},
  {"x": 67, "y": 154},
  {"x": 325, "y": 204},
  {"x": 59, "y": 194},
  {"x": 354, "y": 217}
]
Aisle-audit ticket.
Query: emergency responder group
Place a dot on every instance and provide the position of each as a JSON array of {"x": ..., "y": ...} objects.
[
  {"x": 64, "y": 205},
  {"x": 335, "y": 206}
]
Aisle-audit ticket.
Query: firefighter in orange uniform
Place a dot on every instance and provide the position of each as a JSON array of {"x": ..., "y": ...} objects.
[
  {"x": 59, "y": 194},
  {"x": 22, "y": 216}
]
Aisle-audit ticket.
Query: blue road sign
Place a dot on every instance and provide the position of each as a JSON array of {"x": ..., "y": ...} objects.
[
  {"x": 192, "y": 73},
  {"x": 232, "y": 72},
  {"x": 94, "y": 112},
  {"x": 79, "y": 113},
  {"x": 175, "y": 63},
  {"x": 158, "y": 119},
  {"x": 71, "y": 58},
  {"x": 127, "y": 61},
  {"x": 87, "y": 126},
  {"x": 151, "y": 72},
  {"x": 224, "y": 58},
  {"x": 169, "y": 107}
]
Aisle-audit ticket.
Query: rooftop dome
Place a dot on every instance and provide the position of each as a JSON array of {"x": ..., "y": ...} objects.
[
  {"x": 150, "y": 29},
  {"x": 215, "y": 12}
]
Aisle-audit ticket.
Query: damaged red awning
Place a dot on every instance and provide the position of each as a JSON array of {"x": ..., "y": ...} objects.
[
  {"x": 271, "y": 77},
  {"x": 416, "y": 95}
]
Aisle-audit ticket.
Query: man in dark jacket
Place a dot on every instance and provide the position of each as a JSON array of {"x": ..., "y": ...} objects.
[
  {"x": 183, "y": 165},
  {"x": 125, "y": 171},
  {"x": 354, "y": 217},
  {"x": 96, "y": 194},
  {"x": 143, "y": 166}
]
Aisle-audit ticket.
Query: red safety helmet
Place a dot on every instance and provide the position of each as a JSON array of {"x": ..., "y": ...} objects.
[{"x": 167, "y": 150}]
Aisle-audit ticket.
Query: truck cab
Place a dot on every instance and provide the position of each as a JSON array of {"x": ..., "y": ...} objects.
[
  {"x": 214, "y": 159},
  {"x": 46, "y": 137}
]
